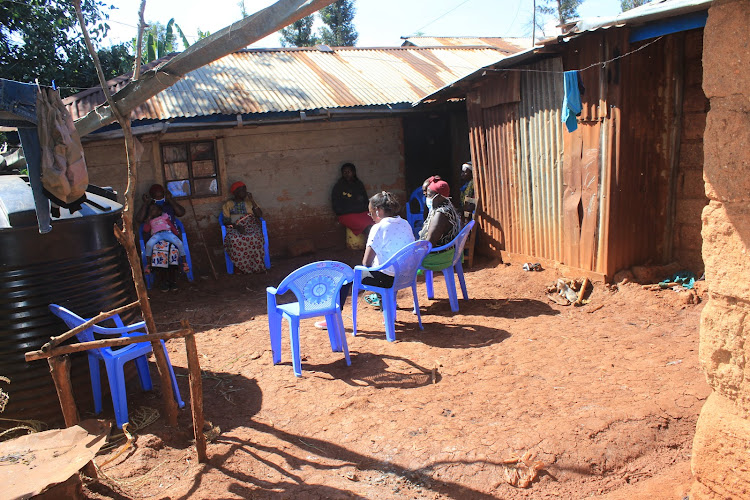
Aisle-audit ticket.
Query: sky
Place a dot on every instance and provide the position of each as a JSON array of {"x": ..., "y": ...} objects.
[{"x": 379, "y": 22}]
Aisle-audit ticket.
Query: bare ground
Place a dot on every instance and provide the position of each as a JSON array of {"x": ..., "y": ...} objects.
[{"x": 604, "y": 401}]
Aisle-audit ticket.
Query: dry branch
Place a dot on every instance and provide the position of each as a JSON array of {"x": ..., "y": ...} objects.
[{"x": 126, "y": 235}]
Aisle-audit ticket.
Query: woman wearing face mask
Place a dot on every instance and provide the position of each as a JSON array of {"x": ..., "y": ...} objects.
[
  {"x": 442, "y": 224},
  {"x": 165, "y": 257},
  {"x": 244, "y": 240}
]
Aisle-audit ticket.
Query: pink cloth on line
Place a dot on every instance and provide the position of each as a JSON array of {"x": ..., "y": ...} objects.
[{"x": 356, "y": 222}]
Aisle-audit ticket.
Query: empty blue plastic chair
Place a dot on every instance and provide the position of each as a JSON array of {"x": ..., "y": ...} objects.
[
  {"x": 316, "y": 287},
  {"x": 149, "y": 278},
  {"x": 450, "y": 282},
  {"x": 228, "y": 261},
  {"x": 415, "y": 211},
  {"x": 114, "y": 361},
  {"x": 405, "y": 264}
]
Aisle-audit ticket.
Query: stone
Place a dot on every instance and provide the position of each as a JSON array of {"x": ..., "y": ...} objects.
[
  {"x": 726, "y": 229},
  {"x": 719, "y": 462},
  {"x": 725, "y": 52},
  {"x": 723, "y": 349},
  {"x": 727, "y": 153},
  {"x": 654, "y": 274},
  {"x": 301, "y": 247}
]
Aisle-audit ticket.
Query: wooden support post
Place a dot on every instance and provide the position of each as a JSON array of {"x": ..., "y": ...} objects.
[
  {"x": 196, "y": 393},
  {"x": 59, "y": 367}
]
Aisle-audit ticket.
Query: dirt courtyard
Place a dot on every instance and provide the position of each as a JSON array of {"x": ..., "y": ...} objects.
[{"x": 604, "y": 400}]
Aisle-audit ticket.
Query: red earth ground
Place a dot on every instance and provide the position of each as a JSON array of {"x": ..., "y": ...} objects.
[{"x": 603, "y": 398}]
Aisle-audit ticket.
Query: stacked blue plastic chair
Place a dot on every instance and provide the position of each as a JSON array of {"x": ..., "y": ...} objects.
[
  {"x": 405, "y": 264},
  {"x": 149, "y": 278},
  {"x": 450, "y": 282},
  {"x": 316, "y": 287},
  {"x": 416, "y": 219},
  {"x": 228, "y": 261},
  {"x": 114, "y": 361}
]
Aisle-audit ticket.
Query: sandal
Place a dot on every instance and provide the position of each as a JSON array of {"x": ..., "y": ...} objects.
[{"x": 374, "y": 300}]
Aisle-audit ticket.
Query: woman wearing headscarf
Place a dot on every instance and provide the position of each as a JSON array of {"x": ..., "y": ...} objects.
[
  {"x": 165, "y": 256},
  {"x": 349, "y": 200},
  {"x": 244, "y": 240},
  {"x": 442, "y": 224}
]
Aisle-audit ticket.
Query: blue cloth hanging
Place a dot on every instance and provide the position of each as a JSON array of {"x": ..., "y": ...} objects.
[{"x": 572, "y": 101}]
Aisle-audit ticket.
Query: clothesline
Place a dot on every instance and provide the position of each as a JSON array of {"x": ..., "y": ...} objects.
[{"x": 593, "y": 65}]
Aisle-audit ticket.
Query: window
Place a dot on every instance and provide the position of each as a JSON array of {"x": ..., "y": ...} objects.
[{"x": 190, "y": 168}]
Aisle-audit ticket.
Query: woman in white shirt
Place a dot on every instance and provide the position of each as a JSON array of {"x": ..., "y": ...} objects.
[{"x": 390, "y": 234}]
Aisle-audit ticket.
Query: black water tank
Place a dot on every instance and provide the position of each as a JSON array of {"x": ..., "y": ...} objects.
[{"x": 79, "y": 264}]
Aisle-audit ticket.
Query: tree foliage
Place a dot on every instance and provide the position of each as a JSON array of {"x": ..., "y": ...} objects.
[
  {"x": 338, "y": 20},
  {"x": 160, "y": 40},
  {"x": 39, "y": 39},
  {"x": 300, "y": 33},
  {"x": 631, "y": 4},
  {"x": 562, "y": 10}
]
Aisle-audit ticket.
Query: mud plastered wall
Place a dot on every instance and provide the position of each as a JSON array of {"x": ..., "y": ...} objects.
[{"x": 722, "y": 439}]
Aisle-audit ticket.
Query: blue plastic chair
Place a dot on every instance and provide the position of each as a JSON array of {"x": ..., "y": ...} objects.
[
  {"x": 456, "y": 266},
  {"x": 316, "y": 287},
  {"x": 114, "y": 361},
  {"x": 228, "y": 261},
  {"x": 405, "y": 263},
  {"x": 416, "y": 219},
  {"x": 149, "y": 278}
]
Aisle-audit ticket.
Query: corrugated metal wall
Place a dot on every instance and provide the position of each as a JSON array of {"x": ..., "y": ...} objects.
[
  {"x": 516, "y": 142},
  {"x": 599, "y": 199}
]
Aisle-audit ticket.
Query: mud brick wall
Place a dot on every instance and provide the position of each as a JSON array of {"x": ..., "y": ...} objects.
[
  {"x": 720, "y": 449},
  {"x": 690, "y": 193},
  {"x": 289, "y": 168}
]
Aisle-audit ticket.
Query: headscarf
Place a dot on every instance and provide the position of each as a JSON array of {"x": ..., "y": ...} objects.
[
  {"x": 440, "y": 187},
  {"x": 236, "y": 186},
  {"x": 467, "y": 166}
]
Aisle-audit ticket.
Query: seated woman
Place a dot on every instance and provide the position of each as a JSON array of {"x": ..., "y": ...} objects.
[
  {"x": 244, "y": 240},
  {"x": 349, "y": 200},
  {"x": 442, "y": 224},
  {"x": 390, "y": 234},
  {"x": 165, "y": 256}
]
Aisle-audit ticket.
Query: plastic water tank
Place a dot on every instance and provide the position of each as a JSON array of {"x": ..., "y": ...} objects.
[{"x": 79, "y": 264}]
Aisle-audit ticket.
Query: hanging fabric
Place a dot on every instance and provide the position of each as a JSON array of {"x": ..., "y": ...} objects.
[{"x": 571, "y": 101}]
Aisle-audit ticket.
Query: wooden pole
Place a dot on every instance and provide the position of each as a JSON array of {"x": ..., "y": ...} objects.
[
  {"x": 203, "y": 241},
  {"x": 196, "y": 392},
  {"x": 582, "y": 292},
  {"x": 126, "y": 235},
  {"x": 97, "y": 344},
  {"x": 59, "y": 367}
]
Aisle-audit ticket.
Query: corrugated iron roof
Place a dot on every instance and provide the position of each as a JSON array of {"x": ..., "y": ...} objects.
[
  {"x": 299, "y": 79},
  {"x": 508, "y": 45},
  {"x": 652, "y": 11}
]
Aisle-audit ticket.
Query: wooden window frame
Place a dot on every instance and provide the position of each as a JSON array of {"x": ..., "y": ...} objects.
[{"x": 191, "y": 178}]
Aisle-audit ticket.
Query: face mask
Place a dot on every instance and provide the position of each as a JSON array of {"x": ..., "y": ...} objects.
[
  {"x": 428, "y": 202},
  {"x": 159, "y": 202}
]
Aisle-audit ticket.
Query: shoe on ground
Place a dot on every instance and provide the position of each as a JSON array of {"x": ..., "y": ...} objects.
[
  {"x": 321, "y": 325},
  {"x": 374, "y": 300},
  {"x": 173, "y": 287},
  {"x": 164, "y": 287}
]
